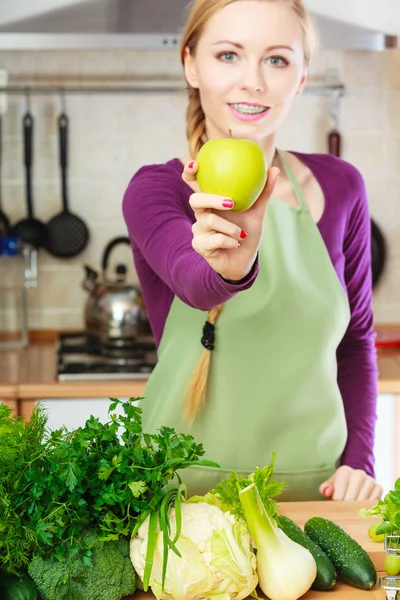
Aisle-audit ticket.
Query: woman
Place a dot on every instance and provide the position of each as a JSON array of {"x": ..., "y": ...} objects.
[{"x": 263, "y": 318}]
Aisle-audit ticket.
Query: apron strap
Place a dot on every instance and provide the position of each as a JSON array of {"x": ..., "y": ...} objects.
[{"x": 294, "y": 181}]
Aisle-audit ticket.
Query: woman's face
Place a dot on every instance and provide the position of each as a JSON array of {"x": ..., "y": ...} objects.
[{"x": 249, "y": 67}]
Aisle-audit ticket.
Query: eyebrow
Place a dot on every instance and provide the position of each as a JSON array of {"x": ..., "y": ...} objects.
[{"x": 269, "y": 49}]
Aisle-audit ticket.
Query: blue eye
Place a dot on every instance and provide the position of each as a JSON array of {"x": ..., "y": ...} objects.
[
  {"x": 278, "y": 61},
  {"x": 227, "y": 56}
]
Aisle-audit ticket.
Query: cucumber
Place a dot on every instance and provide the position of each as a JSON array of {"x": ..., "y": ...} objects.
[
  {"x": 352, "y": 563},
  {"x": 326, "y": 573}
]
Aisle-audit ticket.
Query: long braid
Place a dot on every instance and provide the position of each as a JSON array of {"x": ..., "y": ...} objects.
[
  {"x": 195, "y": 122},
  {"x": 196, "y": 393}
]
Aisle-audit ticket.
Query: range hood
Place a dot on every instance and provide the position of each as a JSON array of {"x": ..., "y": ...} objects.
[{"x": 138, "y": 24}]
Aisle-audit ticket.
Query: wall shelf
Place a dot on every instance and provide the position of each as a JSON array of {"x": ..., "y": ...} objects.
[{"x": 33, "y": 89}]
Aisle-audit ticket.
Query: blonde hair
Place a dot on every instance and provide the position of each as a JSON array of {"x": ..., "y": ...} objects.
[{"x": 200, "y": 12}]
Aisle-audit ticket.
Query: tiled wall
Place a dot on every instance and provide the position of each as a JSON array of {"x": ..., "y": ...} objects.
[{"x": 112, "y": 135}]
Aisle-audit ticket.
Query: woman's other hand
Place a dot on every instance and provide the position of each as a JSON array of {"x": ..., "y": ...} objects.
[
  {"x": 228, "y": 240},
  {"x": 351, "y": 484}
]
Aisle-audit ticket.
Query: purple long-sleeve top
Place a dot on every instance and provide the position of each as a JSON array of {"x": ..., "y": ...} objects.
[{"x": 159, "y": 221}]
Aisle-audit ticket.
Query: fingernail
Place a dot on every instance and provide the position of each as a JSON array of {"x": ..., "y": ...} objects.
[
  {"x": 191, "y": 164},
  {"x": 243, "y": 235},
  {"x": 228, "y": 203},
  {"x": 238, "y": 245},
  {"x": 325, "y": 491}
]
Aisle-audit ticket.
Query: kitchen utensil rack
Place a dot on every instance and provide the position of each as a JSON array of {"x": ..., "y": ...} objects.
[
  {"x": 391, "y": 583},
  {"x": 328, "y": 89},
  {"x": 392, "y": 544}
]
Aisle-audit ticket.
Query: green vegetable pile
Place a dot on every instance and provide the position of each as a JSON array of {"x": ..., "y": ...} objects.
[
  {"x": 93, "y": 512},
  {"x": 201, "y": 547},
  {"x": 232, "y": 540},
  {"x": 214, "y": 535},
  {"x": 66, "y": 494}
]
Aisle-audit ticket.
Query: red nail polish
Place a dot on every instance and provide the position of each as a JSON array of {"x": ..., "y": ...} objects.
[
  {"x": 191, "y": 164},
  {"x": 228, "y": 203},
  {"x": 326, "y": 490},
  {"x": 238, "y": 245},
  {"x": 243, "y": 235}
]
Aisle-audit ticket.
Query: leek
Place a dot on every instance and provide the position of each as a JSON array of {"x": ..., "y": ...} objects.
[{"x": 285, "y": 569}]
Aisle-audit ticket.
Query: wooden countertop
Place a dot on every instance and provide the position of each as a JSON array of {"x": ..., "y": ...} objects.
[
  {"x": 30, "y": 374},
  {"x": 341, "y": 592}
]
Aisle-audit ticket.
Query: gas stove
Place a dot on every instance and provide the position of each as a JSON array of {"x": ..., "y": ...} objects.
[{"x": 83, "y": 357}]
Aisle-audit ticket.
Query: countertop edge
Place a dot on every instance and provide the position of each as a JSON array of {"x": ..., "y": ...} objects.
[
  {"x": 30, "y": 374},
  {"x": 81, "y": 389}
]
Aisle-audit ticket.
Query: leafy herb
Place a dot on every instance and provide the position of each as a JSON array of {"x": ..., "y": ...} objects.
[
  {"x": 21, "y": 449},
  {"x": 388, "y": 509},
  {"x": 104, "y": 476},
  {"x": 226, "y": 494}
]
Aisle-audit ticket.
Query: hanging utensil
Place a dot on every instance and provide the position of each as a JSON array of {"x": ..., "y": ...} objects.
[
  {"x": 334, "y": 138},
  {"x": 68, "y": 234},
  {"x": 30, "y": 230},
  {"x": 378, "y": 251},
  {"x": 4, "y": 220},
  {"x": 378, "y": 244}
]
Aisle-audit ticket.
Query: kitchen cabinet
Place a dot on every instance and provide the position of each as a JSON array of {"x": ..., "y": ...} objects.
[
  {"x": 77, "y": 25},
  {"x": 73, "y": 412},
  {"x": 11, "y": 403},
  {"x": 374, "y": 15}
]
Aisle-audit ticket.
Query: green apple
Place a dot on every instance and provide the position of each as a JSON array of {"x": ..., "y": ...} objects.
[
  {"x": 372, "y": 532},
  {"x": 233, "y": 168},
  {"x": 392, "y": 565}
]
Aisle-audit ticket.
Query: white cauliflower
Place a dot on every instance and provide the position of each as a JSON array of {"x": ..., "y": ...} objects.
[{"x": 217, "y": 558}]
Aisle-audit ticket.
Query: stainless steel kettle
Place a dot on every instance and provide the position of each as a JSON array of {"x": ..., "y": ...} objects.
[{"x": 115, "y": 309}]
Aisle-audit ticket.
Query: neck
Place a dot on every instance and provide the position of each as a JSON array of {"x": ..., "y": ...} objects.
[
  {"x": 272, "y": 158},
  {"x": 270, "y": 152}
]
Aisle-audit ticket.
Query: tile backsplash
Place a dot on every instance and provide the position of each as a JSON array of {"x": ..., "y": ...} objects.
[{"x": 113, "y": 134}]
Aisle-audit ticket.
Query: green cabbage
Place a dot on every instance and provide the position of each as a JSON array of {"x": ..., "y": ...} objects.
[{"x": 217, "y": 559}]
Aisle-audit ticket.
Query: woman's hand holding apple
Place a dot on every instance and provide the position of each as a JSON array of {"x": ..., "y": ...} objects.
[{"x": 228, "y": 240}]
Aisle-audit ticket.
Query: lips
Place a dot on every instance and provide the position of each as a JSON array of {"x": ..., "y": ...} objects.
[
  {"x": 245, "y": 112},
  {"x": 248, "y": 108}
]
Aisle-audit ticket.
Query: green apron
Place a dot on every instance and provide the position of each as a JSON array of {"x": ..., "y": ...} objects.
[{"x": 272, "y": 384}]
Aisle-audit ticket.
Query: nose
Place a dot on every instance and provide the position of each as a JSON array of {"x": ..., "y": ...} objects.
[{"x": 252, "y": 78}]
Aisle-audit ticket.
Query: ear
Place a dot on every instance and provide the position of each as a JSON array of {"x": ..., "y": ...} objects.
[
  {"x": 302, "y": 83},
  {"x": 190, "y": 69}
]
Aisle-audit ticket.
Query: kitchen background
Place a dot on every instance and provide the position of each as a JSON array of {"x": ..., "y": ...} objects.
[{"x": 114, "y": 134}]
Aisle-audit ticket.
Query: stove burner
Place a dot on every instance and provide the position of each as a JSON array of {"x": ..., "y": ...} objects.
[
  {"x": 125, "y": 348},
  {"x": 83, "y": 356},
  {"x": 105, "y": 368}
]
